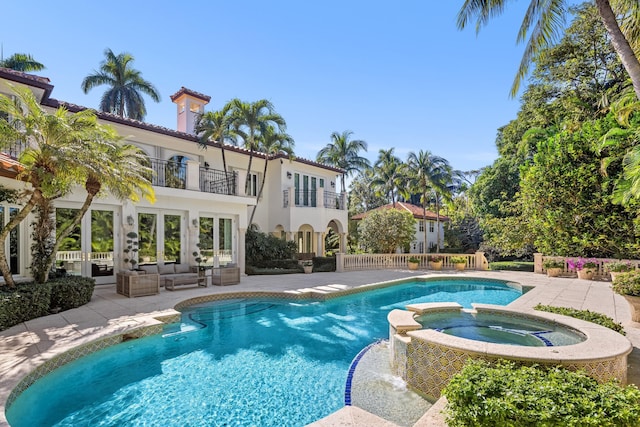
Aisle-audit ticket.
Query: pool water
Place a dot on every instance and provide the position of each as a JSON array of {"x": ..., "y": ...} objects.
[
  {"x": 242, "y": 362},
  {"x": 501, "y": 329}
]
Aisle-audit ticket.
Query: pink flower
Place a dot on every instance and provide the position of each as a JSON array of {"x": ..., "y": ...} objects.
[{"x": 581, "y": 263}]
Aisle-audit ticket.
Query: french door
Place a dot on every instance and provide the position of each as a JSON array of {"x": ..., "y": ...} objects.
[
  {"x": 161, "y": 237},
  {"x": 89, "y": 250}
]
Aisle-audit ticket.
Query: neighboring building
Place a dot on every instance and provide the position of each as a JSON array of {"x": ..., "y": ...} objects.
[
  {"x": 429, "y": 221},
  {"x": 195, "y": 201}
]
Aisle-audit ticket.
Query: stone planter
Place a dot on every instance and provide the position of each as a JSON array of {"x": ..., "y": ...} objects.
[
  {"x": 634, "y": 305},
  {"x": 586, "y": 274},
  {"x": 460, "y": 266},
  {"x": 436, "y": 265},
  {"x": 413, "y": 265},
  {"x": 554, "y": 271},
  {"x": 308, "y": 269}
]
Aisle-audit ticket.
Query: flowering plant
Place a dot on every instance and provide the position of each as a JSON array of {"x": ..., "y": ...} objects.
[
  {"x": 582, "y": 264},
  {"x": 414, "y": 260},
  {"x": 553, "y": 263},
  {"x": 458, "y": 259},
  {"x": 618, "y": 266},
  {"x": 435, "y": 258}
]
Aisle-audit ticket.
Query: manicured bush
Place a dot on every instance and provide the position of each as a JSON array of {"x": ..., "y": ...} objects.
[
  {"x": 70, "y": 292},
  {"x": 587, "y": 315},
  {"x": 251, "y": 270},
  {"x": 286, "y": 264},
  {"x": 506, "y": 395},
  {"x": 25, "y": 302},
  {"x": 627, "y": 283},
  {"x": 261, "y": 247},
  {"x": 511, "y": 266},
  {"x": 324, "y": 264}
]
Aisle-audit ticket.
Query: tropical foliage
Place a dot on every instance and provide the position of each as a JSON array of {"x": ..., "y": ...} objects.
[
  {"x": 21, "y": 62},
  {"x": 63, "y": 150},
  {"x": 344, "y": 153},
  {"x": 126, "y": 86},
  {"x": 505, "y": 394},
  {"x": 386, "y": 230},
  {"x": 564, "y": 161},
  {"x": 544, "y": 21}
]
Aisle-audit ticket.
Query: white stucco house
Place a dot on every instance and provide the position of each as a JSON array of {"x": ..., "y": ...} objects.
[
  {"x": 196, "y": 203},
  {"x": 428, "y": 220}
]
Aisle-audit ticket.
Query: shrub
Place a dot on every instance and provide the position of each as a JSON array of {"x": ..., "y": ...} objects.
[
  {"x": 511, "y": 266},
  {"x": 507, "y": 395},
  {"x": 258, "y": 271},
  {"x": 71, "y": 292},
  {"x": 587, "y": 315},
  {"x": 261, "y": 247},
  {"x": 627, "y": 283},
  {"x": 553, "y": 263},
  {"x": 414, "y": 259},
  {"x": 324, "y": 264},
  {"x": 618, "y": 266},
  {"x": 25, "y": 302},
  {"x": 458, "y": 259}
]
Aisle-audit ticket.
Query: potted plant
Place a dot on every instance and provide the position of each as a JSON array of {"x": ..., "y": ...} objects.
[
  {"x": 554, "y": 267},
  {"x": 307, "y": 265},
  {"x": 131, "y": 250},
  {"x": 615, "y": 267},
  {"x": 199, "y": 259},
  {"x": 585, "y": 267},
  {"x": 459, "y": 262},
  {"x": 435, "y": 262},
  {"x": 413, "y": 263},
  {"x": 627, "y": 284}
]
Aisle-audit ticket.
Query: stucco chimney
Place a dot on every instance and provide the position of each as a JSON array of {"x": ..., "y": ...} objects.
[{"x": 190, "y": 105}]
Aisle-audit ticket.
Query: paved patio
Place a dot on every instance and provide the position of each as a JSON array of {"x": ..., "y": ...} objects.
[{"x": 28, "y": 345}]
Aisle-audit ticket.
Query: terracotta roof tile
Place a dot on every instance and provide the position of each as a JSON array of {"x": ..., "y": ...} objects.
[
  {"x": 27, "y": 79},
  {"x": 184, "y": 90},
  {"x": 416, "y": 211},
  {"x": 9, "y": 167}
]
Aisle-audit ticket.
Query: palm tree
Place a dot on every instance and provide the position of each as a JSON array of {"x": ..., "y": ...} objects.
[
  {"x": 124, "y": 97},
  {"x": 21, "y": 62},
  {"x": 344, "y": 154},
  {"x": 106, "y": 164},
  {"x": 215, "y": 126},
  {"x": 546, "y": 19},
  {"x": 272, "y": 143},
  {"x": 389, "y": 174},
  {"x": 249, "y": 121},
  {"x": 62, "y": 151}
]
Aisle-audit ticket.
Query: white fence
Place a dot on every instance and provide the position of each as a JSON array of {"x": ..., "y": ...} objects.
[{"x": 344, "y": 262}]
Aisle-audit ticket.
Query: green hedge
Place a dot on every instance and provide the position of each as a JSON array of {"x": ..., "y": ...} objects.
[
  {"x": 324, "y": 264},
  {"x": 511, "y": 266},
  {"x": 587, "y": 315},
  {"x": 71, "y": 292},
  {"x": 31, "y": 300},
  {"x": 507, "y": 395}
]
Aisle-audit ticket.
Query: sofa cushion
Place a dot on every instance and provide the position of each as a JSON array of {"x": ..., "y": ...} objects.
[
  {"x": 182, "y": 268},
  {"x": 166, "y": 269},
  {"x": 149, "y": 269}
]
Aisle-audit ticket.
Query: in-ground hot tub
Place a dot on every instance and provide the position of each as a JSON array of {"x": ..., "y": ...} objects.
[{"x": 431, "y": 342}]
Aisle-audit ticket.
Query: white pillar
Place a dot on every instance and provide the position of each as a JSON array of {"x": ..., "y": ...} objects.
[
  {"x": 242, "y": 232},
  {"x": 319, "y": 244}
]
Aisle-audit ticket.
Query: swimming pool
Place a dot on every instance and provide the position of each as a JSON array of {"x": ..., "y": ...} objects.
[{"x": 267, "y": 362}]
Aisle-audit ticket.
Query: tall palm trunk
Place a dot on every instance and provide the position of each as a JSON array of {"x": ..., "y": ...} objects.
[
  {"x": 437, "y": 224},
  {"x": 264, "y": 179},
  {"x": 4, "y": 233},
  {"x": 620, "y": 43},
  {"x": 424, "y": 222},
  {"x": 224, "y": 167}
]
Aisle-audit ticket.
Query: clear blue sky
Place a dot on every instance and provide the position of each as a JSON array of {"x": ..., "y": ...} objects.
[{"x": 398, "y": 74}]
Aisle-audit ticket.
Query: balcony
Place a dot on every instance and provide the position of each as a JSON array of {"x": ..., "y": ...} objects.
[
  {"x": 191, "y": 176},
  {"x": 217, "y": 181},
  {"x": 313, "y": 198}
]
